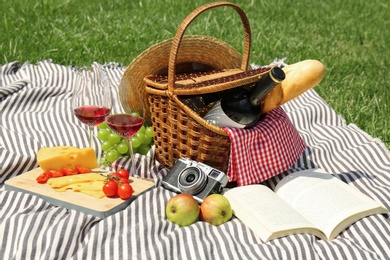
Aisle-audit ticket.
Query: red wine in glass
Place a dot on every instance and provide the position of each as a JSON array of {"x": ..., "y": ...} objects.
[
  {"x": 125, "y": 125},
  {"x": 91, "y": 97},
  {"x": 91, "y": 115}
]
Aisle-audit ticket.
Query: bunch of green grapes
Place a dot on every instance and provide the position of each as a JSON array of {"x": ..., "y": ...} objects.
[{"x": 115, "y": 146}]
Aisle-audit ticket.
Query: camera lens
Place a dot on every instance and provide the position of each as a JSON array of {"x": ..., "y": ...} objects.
[{"x": 192, "y": 180}]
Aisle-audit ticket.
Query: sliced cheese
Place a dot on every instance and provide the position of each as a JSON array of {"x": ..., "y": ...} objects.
[
  {"x": 92, "y": 185},
  {"x": 79, "y": 178},
  {"x": 94, "y": 193},
  {"x": 56, "y": 158}
]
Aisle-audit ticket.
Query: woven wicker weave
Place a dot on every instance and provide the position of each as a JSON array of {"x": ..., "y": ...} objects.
[{"x": 180, "y": 131}]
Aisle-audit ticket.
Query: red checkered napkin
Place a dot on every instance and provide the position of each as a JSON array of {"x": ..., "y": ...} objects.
[{"x": 267, "y": 149}]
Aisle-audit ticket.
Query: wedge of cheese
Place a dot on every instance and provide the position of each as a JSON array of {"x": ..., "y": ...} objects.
[{"x": 56, "y": 158}]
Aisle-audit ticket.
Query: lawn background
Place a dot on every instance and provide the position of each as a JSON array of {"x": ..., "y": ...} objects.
[{"x": 351, "y": 38}]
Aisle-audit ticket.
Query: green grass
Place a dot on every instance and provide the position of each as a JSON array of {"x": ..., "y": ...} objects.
[{"x": 351, "y": 37}]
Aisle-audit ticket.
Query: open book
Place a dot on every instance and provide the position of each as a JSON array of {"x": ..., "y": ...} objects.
[{"x": 309, "y": 201}]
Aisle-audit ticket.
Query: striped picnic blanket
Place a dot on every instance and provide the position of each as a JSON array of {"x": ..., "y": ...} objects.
[{"x": 35, "y": 112}]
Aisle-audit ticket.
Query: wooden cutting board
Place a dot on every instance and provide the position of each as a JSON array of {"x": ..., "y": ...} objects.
[{"x": 101, "y": 208}]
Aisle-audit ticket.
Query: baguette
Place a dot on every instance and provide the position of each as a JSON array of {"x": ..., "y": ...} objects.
[{"x": 300, "y": 77}]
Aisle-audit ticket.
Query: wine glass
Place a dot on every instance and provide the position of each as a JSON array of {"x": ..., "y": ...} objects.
[
  {"x": 127, "y": 124},
  {"x": 91, "y": 100}
]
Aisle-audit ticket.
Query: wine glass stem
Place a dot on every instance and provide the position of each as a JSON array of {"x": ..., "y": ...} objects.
[
  {"x": 132, "y": 165},
  {"x": 90, "y": 135}
]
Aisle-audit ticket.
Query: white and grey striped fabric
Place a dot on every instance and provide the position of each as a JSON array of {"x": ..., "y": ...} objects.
[{"x": 35, "y": 112}]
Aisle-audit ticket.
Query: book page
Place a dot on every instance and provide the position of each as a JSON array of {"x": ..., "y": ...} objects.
[
  {"x": 326, "y": 201},
  {"x": 267, "y": 214}
]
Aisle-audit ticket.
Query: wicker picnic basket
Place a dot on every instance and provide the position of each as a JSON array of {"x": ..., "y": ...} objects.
[{"x": 179, "y": 130}]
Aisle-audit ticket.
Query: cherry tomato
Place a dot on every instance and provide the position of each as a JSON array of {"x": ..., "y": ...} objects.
[
  {"x": 67, "y": 171},
  {"x": 43, "y": 178},
  {"x": 54, "y": 174},
  {"x": 124, "y": 173},
  {"x": 125, "y": 191},
  {"x": 123, "y": 180},
  {"x": 110, "y": 188},
  {"x": 80, "y": 170}
]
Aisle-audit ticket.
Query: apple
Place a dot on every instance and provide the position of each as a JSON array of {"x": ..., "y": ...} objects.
[
  {"x": 215, "y": 209},
  {"x": 182, "y": 209}
]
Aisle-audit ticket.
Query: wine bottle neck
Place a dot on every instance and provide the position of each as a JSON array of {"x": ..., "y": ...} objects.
[{"x": 265, "y": 85}]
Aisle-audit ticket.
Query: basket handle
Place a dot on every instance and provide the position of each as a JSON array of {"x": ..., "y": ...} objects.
[{"x": 188, "y": 20}]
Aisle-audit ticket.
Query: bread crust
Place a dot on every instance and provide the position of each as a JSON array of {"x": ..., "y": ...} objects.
[{"x": 300, "y": 77}]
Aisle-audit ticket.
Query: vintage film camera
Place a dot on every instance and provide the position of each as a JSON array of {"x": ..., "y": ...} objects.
[{"x": 195, "y": 178}]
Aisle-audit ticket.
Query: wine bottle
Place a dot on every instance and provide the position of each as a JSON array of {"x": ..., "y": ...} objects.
[
  {"x": 241, "y": 107},
  {"x": 201, "y": 104}
]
